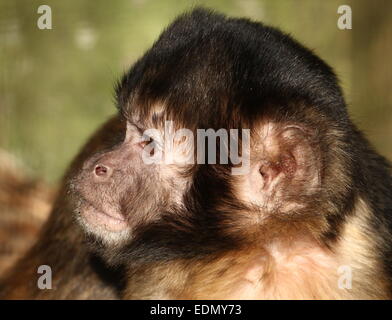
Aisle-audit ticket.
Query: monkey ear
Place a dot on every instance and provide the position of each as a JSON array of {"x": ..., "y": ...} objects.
[{"x": 285, "y": 167}]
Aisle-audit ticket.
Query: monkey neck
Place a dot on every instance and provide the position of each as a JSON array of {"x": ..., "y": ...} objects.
[
  {"x": 293, "y": 264},
  {"x": 256, "y": 272}
]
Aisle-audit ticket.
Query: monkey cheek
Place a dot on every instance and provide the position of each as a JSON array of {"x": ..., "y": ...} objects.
[{"x": 100, "y": 222}]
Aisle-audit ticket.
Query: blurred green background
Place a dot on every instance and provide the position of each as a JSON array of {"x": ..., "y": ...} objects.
[{"x": 56, "y": 85}]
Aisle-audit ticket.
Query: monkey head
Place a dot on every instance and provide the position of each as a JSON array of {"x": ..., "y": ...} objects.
[{"x": 204, "y": 72}]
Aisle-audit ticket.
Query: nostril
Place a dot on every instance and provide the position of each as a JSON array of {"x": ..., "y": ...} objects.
[{"x": 100, "y": 170}]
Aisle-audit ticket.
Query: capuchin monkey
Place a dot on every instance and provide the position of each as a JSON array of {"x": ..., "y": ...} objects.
[
  {"x": 303, "y": 212},
  {"x": 310, "y": 218}
]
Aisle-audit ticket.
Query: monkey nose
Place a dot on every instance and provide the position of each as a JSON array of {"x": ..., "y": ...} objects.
[{"x": 101, "y": 171}]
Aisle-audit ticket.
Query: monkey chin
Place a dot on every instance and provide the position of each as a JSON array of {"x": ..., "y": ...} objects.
[{"x": 111, "y": 229}]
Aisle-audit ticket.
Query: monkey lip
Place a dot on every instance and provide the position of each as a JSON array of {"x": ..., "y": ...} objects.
[{"x": 113, "y": 222}]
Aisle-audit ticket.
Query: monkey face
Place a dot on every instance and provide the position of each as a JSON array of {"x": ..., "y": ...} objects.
[
  {"x": 122, "y": 198},
  {"x": 117, "y": 189}
]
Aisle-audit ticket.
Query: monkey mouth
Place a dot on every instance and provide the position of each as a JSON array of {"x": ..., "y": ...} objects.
[{"x": 93, "y": 217}]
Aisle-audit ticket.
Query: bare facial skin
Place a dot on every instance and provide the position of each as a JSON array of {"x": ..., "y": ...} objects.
[{"x": 117, "y": 191}]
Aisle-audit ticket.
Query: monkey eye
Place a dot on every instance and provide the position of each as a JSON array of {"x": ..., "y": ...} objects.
[{"x": 146, "y": 140}]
